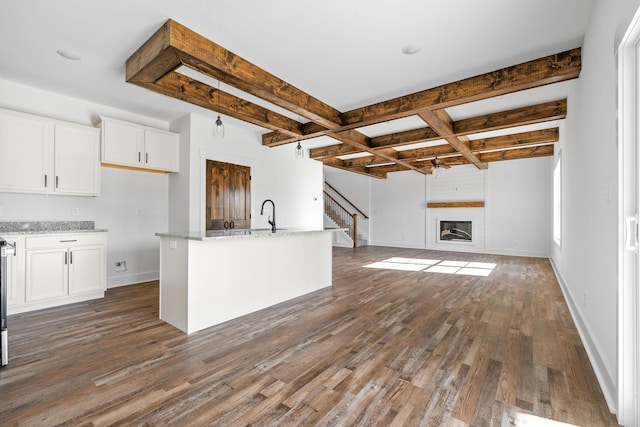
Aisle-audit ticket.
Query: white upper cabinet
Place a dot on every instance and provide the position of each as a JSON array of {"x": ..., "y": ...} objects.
[
  {"x": 41, "y": 155},
  {"x": 162, "y": 150},
  {"x": 122, "y": 143},
  {"x": 77, "y": 160},
  {"x": 25, "y": 142},
  {"x": 130, "y": 145}
]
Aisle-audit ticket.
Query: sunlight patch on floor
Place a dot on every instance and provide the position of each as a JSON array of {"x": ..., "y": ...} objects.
[
  {"x": 520, "y": 419},
  {"x": 435, "y": 266}
]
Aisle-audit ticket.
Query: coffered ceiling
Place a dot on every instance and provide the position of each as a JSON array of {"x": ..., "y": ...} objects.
[
  {"x": 173, "y": 46},
  {"x": 346, "y": 56}
]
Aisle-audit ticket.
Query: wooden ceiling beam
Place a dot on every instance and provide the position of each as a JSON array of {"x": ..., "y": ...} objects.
[
  {"x": 361, "y": 143},
  {"x": 539, "y": 113},
  {"x": 215, "y": 61},
  {"x": 519, "y": 153},
  {"x": 422, "y": 156},
  {"x": 543, "y": 136},
  {"x": 441, "y": 122},
  {"x": 372, "y": 173},
  {"x": 197, "y": 93},
  {"x": 515, "y": 154},
  {"x": 539, "y": 72},
  {"x": 527, "y": 75},
  {"x": 211, "y": 59}
]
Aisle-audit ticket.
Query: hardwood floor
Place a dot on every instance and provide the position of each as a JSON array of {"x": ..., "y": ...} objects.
[{"x": 384, "y": 347}]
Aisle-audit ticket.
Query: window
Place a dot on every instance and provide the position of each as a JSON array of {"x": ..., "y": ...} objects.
[{"x": 557, "y": 201}]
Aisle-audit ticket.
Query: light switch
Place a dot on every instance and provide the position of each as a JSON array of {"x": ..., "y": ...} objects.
[{"x": 173, "y": 244}]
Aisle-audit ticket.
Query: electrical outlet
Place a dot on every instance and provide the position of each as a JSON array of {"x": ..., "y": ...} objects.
[
  {"x": 75, "y": 211},
  {"x": 121, "y": 266},
  {"x": 139, "y": 212}
]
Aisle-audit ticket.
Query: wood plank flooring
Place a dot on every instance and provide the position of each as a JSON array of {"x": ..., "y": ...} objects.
[{"x": 386, "y": 347}]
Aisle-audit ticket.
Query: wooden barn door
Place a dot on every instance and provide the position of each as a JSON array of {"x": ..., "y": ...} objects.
[{"x": 228, "y": 196}]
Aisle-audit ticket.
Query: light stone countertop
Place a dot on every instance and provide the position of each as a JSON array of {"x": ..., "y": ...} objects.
[
  {"x": 244, "y": 233},
  {"x": 12, "y": 228}
]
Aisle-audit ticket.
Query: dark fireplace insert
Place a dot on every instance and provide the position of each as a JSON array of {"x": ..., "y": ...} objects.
[{"x": 458, "y": 231}]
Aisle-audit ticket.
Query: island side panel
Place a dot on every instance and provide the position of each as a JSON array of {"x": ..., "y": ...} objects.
[
  {"x": 174, "y": 254},
  {"x": 230, "y": 278}
]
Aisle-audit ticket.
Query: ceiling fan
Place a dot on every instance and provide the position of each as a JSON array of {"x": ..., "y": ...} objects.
[{"x": 436, "y": 164}]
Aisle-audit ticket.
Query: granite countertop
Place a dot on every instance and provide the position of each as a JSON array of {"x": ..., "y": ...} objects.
[
  {"x": 244, "y": 233},
  {"x": 8, "y": 228}
]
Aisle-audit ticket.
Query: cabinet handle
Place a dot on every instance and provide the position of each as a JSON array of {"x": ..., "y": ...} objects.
[
  {"x": 138, "y": 157},
  {"x": 231, "y": 225},
  {"x": 226, "y": 225},
  {"x": 65, "y": 258},
  {"x": 56, "y": 181},
  {"x": 45, "y": 181},
  {"x": 71, "y": 240},
  {"x": 70, "y": 257},
  {"x": 146, "y": 157}
]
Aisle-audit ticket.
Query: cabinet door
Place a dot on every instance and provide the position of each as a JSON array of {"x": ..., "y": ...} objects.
[
  {"x": 122, "y": 143},
  {"x": 240, "y": 196},
  {"x": 14, "y": 294},
  {"x": 77, "y": 160},
  {"x": 46, "y": 274},
  {"x": 217, "y": 194},
  {"x": 25, "y": 143},
  {"x": 86, "y": 269},
  {"x": 162, "y": 150}
]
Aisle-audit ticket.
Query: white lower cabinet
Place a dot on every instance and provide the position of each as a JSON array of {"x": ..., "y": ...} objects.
[
  {"x": 58, "y": 269},
  {"x": 47, "y": 274}
]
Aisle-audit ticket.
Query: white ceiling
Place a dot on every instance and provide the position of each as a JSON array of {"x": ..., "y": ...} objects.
[{"x": 346, "y": 53}]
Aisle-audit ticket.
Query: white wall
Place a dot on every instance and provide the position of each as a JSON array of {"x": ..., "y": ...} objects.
[
  {"x": 516, "y": 219},
  {"x": 518, "y": 208},
  {"x": 587, "y": 261},
  {"x": 398, "y": 210},
  {"x": 295, "y": 185},
  {"x": 123, "y": 193}
]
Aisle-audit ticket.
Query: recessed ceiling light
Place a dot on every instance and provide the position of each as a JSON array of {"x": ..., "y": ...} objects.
[
  {"x": 411, "y": 49},
  {"x": 68, "y": 55}
]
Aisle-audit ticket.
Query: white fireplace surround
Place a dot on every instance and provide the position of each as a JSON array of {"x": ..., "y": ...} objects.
[{"x": 475, "y": 215}]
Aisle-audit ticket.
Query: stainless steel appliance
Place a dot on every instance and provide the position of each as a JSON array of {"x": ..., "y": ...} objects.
[{"x": 5, "y": 249}]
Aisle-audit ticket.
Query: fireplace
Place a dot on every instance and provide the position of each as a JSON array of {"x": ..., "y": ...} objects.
[{"x": 455, "y": 231}]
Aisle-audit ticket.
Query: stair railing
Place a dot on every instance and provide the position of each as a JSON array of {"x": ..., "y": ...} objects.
[
  {"x": 341, "y": 216},
  {"x": 346, "y": 200}
]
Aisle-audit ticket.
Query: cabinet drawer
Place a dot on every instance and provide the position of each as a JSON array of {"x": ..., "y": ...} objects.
[{"x": 66, "y": 240}]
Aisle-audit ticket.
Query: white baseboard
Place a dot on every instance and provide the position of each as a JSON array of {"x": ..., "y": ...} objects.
[
  {"x": 131, "y": 279},
  {"x": 515, "y": 252},
  {"x": 342, "y": 244},
  {"x": 396, "y": 244},
  {"x": 607, "y": 384}
]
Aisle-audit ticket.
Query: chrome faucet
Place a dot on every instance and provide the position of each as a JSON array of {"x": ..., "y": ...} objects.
[{"x": 273, "y": 223}]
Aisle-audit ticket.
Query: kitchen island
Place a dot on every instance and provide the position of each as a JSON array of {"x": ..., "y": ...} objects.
[{"x": 209, "y": 277}]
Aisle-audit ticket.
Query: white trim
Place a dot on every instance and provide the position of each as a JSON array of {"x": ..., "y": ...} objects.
[
  {"x": 118, "y": 279},
  {"x": 607, "y": 384},
  {"x": 628, "y": 304},
  {"x": 557, "y": 201}
]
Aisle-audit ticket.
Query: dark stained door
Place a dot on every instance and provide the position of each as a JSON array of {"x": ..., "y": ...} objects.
[{"x": 228, "y": 196}]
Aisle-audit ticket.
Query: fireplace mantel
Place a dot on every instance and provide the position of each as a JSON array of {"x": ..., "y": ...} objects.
[{"x": 474, "y": 204}]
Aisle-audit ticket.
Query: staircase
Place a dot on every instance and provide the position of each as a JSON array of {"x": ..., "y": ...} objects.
[{"x": 338, "y": 216}]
